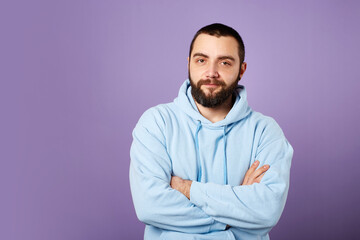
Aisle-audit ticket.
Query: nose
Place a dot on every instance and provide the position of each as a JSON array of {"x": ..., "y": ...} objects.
[{"x": 212, "y": 71}]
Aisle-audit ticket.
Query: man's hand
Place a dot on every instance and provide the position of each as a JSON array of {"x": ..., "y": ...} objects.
[
  {"x": 254, "y": 176},
  {"x": 181, "y": 185}
]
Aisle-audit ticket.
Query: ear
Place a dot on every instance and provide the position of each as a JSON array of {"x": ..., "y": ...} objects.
[
  {"x": 188, "y": 59},
  {"x": 243, "y": 69}
]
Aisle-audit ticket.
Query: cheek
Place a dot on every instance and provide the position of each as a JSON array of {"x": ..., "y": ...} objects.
[
  {"x": 196, "y": 72},
  {"x": 229, "y": 70},
  {"x": 229, "y": 76}
]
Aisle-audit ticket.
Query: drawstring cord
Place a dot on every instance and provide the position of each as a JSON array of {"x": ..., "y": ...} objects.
[
  {"x": 198, "y": 152},
  {"x": 225, "y": 159},
  {"x": 199, "y": 174}
]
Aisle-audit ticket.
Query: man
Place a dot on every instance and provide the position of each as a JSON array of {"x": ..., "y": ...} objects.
[{"x": 206, "y": 166}]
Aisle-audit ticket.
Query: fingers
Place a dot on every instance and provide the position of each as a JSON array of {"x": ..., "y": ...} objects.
[
  {"x": 258, "y": 179},
  {"x": 174, "y": 181},
  {"x": 253, "y": 175},
  {"x": 258, "y": 172},
  {"x": 250, "y": 171}
]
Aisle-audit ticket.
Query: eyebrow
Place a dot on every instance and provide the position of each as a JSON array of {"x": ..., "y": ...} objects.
[
  {"x": 220, "y": 58},
  {"x": 226, "y": 57},
  {"x": 200, "y": 55}
]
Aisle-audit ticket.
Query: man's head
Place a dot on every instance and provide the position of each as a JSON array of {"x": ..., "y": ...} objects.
[{"x": 216, "y": 64}]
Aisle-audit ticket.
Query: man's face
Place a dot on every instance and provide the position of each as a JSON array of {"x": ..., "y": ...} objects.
[{"x": 214, "y": 69}]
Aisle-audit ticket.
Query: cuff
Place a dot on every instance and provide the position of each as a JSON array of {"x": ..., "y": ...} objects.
[
  {"x": 198, "y": 194},
  {"x": 198, "y": 197},
  {"x": 217, "y": 226}
]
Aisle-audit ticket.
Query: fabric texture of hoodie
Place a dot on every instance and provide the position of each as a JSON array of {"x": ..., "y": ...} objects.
[{"x": 174, "y": 139}]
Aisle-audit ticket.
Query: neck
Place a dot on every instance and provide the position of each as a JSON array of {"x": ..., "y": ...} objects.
[{"x": 218, "y": 113}]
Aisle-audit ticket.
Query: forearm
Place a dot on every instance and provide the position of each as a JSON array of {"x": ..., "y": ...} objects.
[
  {"x": 248, "y": 207},
  {"x": 159, "y": 205}
]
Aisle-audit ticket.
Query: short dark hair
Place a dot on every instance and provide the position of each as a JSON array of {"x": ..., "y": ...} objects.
[{"x": 218, "y": 30}]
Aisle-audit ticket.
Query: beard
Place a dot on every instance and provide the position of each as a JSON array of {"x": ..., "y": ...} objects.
[{"x": 212, "y": 99}]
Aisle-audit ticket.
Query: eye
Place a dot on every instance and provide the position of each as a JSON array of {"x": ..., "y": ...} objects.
[
  {"x": 200, "y": 60},
  {"x": 225, "y": 63}
]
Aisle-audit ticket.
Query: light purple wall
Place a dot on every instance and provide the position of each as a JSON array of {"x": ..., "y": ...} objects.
[{"x": 75, "y": 76}]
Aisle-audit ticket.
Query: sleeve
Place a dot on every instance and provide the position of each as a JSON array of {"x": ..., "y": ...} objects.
[
  {"x": 156, "y": 203},
  {"x": 257, "y": 206}
]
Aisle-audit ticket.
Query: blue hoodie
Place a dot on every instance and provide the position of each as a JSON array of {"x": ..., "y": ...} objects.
[{"x": 174, "y": 139}]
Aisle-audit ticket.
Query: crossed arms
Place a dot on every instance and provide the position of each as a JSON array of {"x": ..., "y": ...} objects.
[
  {"x": 253, "y": 175},
  {"x": 172, "y": 203}
]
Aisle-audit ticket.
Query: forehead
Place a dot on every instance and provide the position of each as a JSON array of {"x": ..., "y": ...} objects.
[{"x": 216, "y": 46}]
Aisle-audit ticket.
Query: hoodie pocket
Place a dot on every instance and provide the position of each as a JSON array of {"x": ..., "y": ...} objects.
[{"x": 223, "y": 235}]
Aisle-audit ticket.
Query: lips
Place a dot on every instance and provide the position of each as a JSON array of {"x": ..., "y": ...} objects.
[{"x": 210, "y": 83}]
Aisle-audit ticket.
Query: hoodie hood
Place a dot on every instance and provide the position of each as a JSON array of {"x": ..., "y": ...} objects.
[{"x": 186, "y": 103}]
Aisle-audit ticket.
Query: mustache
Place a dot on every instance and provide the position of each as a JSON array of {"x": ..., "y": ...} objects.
[{"x": 210, "y": 81}]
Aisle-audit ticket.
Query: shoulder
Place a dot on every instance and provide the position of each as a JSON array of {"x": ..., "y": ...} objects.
[
  {"x": 154, "y": 123},
  {"x": 157, "y": 116},
  {"x": 266, "y": 124},
  {"x": 269, "y": 133}
]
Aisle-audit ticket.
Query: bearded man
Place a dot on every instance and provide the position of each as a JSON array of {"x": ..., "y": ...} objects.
[{"x": 207, "y": 166}]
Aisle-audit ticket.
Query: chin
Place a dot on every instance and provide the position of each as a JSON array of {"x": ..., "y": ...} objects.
[{"x": 211, "y": 91}]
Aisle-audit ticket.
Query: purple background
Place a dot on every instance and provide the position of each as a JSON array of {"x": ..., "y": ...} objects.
[{"x": 75, "y": 76}]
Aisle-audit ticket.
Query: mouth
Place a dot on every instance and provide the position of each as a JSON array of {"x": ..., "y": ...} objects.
[
  {"x": 211, "y": 87},
  {"x": 211, "y": 83}
]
